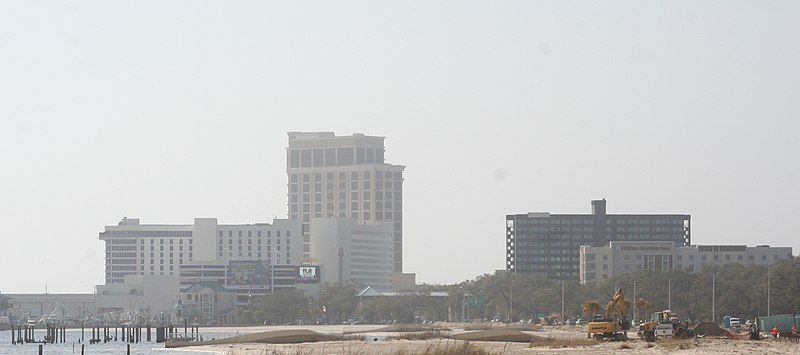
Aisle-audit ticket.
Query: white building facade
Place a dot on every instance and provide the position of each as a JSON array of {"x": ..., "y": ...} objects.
[
  {"x": 352, "y": 252},
  {"x": 135, "y": 249},
  {"x": 600, "y": 263},
  {"x": 145, "y": 296},
  {"x": 346, "y": 177},
  {"x": 51, "y": 306}
]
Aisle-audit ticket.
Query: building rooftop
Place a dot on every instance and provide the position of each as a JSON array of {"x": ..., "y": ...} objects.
[{"x": 598, "y": 208}]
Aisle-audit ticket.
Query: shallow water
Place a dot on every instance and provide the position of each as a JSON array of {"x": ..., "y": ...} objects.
[{"x": 72, "y": 345}]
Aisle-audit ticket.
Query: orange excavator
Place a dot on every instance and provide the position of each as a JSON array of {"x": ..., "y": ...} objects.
[{"x": 613, "y": 324}]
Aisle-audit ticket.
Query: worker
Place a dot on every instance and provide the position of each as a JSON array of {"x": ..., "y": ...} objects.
[
  {"x": 775, "y": 332},
  {"x": 794, "y": 329}
]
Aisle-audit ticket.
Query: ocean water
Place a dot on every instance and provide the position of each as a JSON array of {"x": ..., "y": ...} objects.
[
  {"x": 72, "y": 345},
  {"x": 119, "y": 347}
]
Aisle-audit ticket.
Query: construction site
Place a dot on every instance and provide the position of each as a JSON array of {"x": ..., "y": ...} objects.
[{"x": 608, "y": 331}]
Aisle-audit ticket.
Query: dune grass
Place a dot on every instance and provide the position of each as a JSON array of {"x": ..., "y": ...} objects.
[
  {"x": 426, "y": 335},
  {"x": 675, "y": 344},
  {"x": 557, "y": 343},
  {"x": 450, "y": 348}
]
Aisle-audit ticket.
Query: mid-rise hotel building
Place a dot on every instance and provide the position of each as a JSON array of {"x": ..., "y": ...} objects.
[{"x": 548, "y": 245}]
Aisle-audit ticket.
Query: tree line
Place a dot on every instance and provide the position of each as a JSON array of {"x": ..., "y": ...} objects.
[{"x": 738, "y": 291}]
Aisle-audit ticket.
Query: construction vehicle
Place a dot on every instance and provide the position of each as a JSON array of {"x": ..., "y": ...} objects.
[
  {"x": 613, "y": 324},
  {"x": 664, "y": 324}
]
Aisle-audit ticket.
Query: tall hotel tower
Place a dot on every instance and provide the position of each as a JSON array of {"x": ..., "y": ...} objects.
[{"x": 347, "y": 177}]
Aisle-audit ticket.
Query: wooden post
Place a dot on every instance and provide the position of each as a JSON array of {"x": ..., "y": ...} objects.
[{"x": 40, "y": 349}]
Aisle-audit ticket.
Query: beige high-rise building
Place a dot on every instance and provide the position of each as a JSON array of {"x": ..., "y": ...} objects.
[{"x": 344, "y": 176}]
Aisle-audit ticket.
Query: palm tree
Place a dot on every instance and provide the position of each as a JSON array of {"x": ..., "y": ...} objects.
[
  {"x": 623, "y": 307},
  {"x": 645, "y": 305},
  {"x": 590, "y": 308}
]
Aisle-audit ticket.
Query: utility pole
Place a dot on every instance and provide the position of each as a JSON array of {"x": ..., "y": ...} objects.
[
  {"x": 713, "y": 298},
  {"x": 634, "y": 300},
  {"x": 769, "y": 286},
  {"x": 510, "y": 296},
  {"x": 669, "y": 294},
  {"x": 562, "y": 299},
  {"x": 464, "y": 308}
]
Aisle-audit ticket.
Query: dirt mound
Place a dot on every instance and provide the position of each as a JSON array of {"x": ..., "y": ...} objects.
[
  {"x": 494, "y": 326},
  {"x": 404, "y": 328},
  {"x": 570, "y": 328},
  {"x": 288, "y": 336},
  {"x": 556, "y": 343},
  {"x": 708, "y": 328},
  {"x": 514, "y": 336}
]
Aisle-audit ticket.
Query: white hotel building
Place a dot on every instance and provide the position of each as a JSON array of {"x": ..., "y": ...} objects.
[
  {"x": 621, "y": 257},
  {"x": 353, "y": 252},
  {"x": 134, "y": 249},
  {"x": 344, "y": 249}
]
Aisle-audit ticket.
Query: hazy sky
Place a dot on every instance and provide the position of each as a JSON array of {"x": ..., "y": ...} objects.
[{"x": 173, "y": 110}]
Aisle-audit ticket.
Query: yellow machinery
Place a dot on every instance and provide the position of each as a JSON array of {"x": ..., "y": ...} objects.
[
  {"x": 664, "y": 324},
  {"x": 613, "y": 324}
]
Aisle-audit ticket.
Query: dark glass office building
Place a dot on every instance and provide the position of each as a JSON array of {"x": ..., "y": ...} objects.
[{"x": 545, "y": 244}]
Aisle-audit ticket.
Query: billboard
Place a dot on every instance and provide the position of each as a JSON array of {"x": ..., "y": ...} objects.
[
  {"x": 241, "y": 273},
  {"x": 307, "y": 274}
]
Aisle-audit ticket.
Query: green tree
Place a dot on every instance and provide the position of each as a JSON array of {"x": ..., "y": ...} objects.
[
  {"x": 338, "y": 301},
  {"x": 280, "y": 307}
]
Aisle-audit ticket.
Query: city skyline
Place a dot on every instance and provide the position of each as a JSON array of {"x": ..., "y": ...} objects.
[{"x": 493, "y": 109}]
